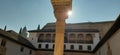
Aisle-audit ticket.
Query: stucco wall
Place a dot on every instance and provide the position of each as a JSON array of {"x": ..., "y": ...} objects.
[
  {"x": 102, "y": 50},
  {"x": 13, "y": 48},
  {"x": 103, "y": 27},
  {"x": 111, "y": 46},
  {"x": 115, "y": 43},
  {"x": 65, "y": 53},
  {"x": 33, "y": 38}
]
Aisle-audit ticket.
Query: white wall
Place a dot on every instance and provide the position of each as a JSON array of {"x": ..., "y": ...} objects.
[
  {"x": 13, "y": 48},
  {"x": 76, "y": 46},
  {"x": 115, "y": 43},
  {"x": 33, "y": 39},
  {"x": 96, "y": 40}
]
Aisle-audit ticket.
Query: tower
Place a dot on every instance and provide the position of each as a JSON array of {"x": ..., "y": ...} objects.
[{"x": 23, "y": 32}]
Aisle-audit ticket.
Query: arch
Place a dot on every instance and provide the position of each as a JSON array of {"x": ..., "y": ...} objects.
[
  {"x": 48, "y": 38},
  {"x": 41, "y": 38},
  {"x": 89, "y": 38},
  {"x": 80, "y": 38},
  {"x": 53, "y": 38},
  {"x": 72, "y": 38}
]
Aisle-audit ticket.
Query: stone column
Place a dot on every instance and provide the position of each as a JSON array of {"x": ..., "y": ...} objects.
[
  {"x": 60, "y": 30},
  {"x": 61, "y": 8}
]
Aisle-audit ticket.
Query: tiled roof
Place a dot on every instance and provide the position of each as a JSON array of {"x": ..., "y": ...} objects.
[
  {"x": 66, "y": 30},
  {"x": 19, "y": 40}
]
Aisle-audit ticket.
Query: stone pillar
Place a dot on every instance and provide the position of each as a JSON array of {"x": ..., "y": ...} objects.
[
  {"x": 61, "y": 8},
  {"x": 60, "y": 30}
]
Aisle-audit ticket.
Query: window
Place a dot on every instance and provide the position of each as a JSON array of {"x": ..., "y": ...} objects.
[
  {"x": 22, "y": 49},
  {"x": 3, "y": 43},
  {"x": 65, "y": 38},
  {"x": 48, "y": 38},
  {"x": 80, "y": 38},
  {"x": 64, "y": 46},
  {"x": 80, "y": 47},
  {"x": 41, "y": 38},
  {"x": 39, "y": 46},
  {"x": 30, "y": 52},
  {"x": 89, "y": 39},
  {"x": 89, "y": 47},
  {"x": 46, "y": 46},
  {"x": 53, "y": 46},
  {"x": 72, "y": 47},
  {"x": 53, "y": 38},
  {"x": 72, "y": 38},
  {"x": 32, "y": 38}
]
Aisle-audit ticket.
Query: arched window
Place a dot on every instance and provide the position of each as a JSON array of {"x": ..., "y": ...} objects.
[
  {"x": 48, "y": 38},
  {"x": 41, "y": 38},
  {"x": 53, "y": 38},
  {"x": 72, "y": 38},
  {"x": 89, "y": 38},
  {"x": 80, "y": 38}
]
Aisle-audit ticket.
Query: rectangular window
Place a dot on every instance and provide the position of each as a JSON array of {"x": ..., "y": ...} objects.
[
  {"x": 80, "y": 47},
  {"x": 30, "y": 52},
  {"x": 22, "y": 49},
  {"x": 53, "y": 46},
  {"x": 64, "y": 46},
  {"x": 3, "y": 43},
  {"x": 46, "y": 46},
  {"x": 72, "y": 47},
  {"x": 89, "y": 47},
  {"x": 39, "y": 46}
]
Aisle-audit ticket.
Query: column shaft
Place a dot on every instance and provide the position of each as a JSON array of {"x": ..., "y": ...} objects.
[{"x": 59, "y": 38}]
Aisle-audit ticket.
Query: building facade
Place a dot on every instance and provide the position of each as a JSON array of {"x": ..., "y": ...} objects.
[
  {"x": 12, "y": 43},
  {"x": 80, "y": 38},
  {"x": 74, "y": 39},
  {"x": 90, "y": 38}
]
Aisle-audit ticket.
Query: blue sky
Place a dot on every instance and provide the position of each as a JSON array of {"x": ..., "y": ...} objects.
[{"x": 19, "y": 13}]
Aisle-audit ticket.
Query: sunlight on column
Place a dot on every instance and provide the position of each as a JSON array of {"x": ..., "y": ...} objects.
[{"x": 69, "y": 13}]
